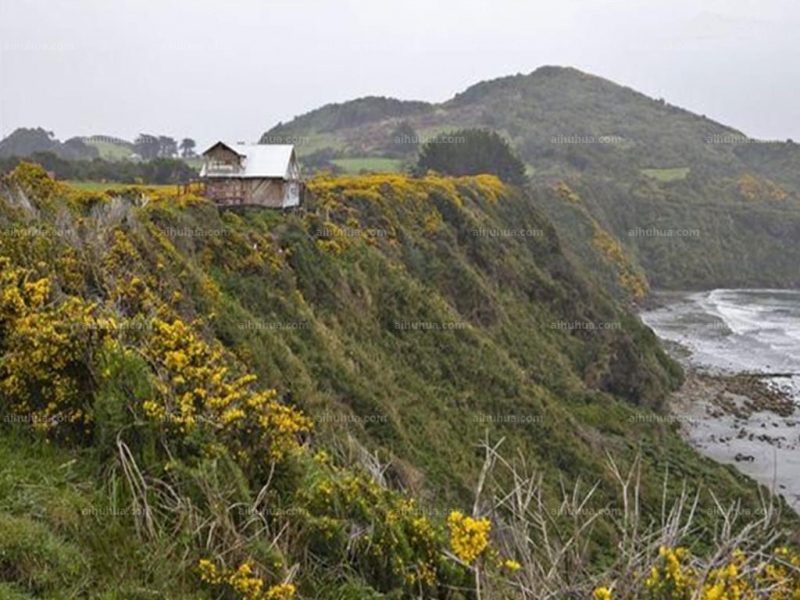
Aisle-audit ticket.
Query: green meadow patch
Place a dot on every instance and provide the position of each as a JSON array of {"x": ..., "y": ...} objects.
[
  {"x": 110, "y": 150},
  {"x": 105, "y": 186},
  {"x": 372, "y": 164}
]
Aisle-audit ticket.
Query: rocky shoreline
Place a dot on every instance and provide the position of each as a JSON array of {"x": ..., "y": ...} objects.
[{"x": 743, "y": 420}]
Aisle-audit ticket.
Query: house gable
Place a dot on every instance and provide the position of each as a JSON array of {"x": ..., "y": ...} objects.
[{"x": 222, "y": 158}]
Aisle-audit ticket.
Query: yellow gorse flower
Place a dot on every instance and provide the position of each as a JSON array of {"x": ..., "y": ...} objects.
[
  {"x": 673, "y": 577},
  {"x": 602, "y": 593},
  {"x": 208, "y": 572},
  {"x": 469, "y": 537},
  {"x": 512, "y": 565},
  {"x": 283, "y": 591},
  {"x": 244, "y": 582}
]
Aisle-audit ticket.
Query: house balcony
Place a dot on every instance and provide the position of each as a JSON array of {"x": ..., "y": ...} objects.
[{"x": 221, "y": 170}]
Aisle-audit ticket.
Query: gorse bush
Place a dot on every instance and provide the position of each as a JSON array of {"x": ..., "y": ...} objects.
[
  {"x": 679, "y": 575},
  {"x": 672, "y": 556},
  {"x": 45, "y": 371},
  {"x": 197, "y": 390},
  {"x": 244, "y": 581},
  {"x": 48, "y": 369}
]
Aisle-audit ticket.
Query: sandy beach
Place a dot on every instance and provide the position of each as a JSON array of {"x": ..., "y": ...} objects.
[{"x": 743, "y": 421}]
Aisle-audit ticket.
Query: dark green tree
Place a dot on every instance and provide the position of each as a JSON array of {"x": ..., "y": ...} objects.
[
  {"x": 471, "y": 152},
  {"x": 24, "y": 142},
  {"x": 167, "y": 147},
  {"x": 187, "y": 147},
  {"x": 147, "y": 146},
  {"x": 77, "y": 149}
]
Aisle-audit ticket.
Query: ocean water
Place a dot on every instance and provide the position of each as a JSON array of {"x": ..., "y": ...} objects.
[{"x": 735, "y": 330}]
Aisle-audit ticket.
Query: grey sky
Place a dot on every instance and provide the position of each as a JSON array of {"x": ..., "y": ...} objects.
[{"x": 233, "y": 68}]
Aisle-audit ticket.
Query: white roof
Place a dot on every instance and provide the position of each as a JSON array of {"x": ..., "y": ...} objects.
[{"x": 259, "y": 160}]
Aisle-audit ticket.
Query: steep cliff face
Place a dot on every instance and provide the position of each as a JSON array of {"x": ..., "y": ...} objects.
[{"x": 180, "y": 360}]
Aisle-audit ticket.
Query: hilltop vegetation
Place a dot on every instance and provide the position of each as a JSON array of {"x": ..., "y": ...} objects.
[
  {"x": 159, "y": 171},
  {"x": 26, "y": 142},
  {"x": 638, "y": 164},
  {"x": 334, "y": 117},
  {"x": 267, "y": 405}
]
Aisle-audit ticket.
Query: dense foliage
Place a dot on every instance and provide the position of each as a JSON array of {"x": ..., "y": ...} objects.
[
  {"x": 159, "y": 171},
  {"x": 24, "y": 142},
  {"x": 333, "y": 117},
  {"x": 256, "y": 405},
  {"x": 471, "y": 152}
]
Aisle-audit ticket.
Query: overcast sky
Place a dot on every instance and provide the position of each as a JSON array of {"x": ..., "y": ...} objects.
[{"x": 231, "y": 69}]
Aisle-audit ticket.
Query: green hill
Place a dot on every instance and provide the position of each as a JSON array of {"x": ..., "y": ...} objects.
[
  {"x": 638, "y": 165},
  {"x": 110, "y": 148},
  {"x": 200, "y": 402}
]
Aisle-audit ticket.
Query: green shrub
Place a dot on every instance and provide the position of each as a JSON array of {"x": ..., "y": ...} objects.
[{"x": 33, "y": 557}]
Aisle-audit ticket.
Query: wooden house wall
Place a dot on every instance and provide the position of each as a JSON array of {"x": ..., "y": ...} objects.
[
  {"x": 236, "y": 191},
  {"x": 266, "y": 192},
  {"x": 225, "y": 191}
]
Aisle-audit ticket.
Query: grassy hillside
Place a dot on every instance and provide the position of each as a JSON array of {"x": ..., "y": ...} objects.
[
  {"x": 110, "y": 150},
  {"x": 269, "y": 405},
  {"x": 640, "y": 163},
  {"x": 378, "y": 165}
]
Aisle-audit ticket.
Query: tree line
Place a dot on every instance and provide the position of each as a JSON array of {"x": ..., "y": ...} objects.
[
  {"x": 159, "y": 171},
  {"x": 27, "y": 141},
  {"x": 149, "y": 147}
]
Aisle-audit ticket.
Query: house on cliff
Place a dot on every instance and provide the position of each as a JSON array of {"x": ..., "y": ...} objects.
[{"x": 252, "y": 175}]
